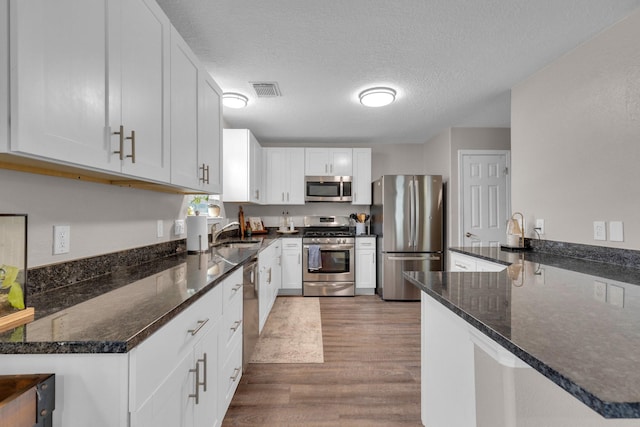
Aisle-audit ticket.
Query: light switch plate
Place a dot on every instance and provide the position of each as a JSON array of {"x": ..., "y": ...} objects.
[{"x": 616, "y": 232}]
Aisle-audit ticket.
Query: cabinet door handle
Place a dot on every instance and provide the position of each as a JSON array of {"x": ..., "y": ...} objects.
[
  {"x": 207, "y": 174},
  {"x": 236, "y": 325},
  {"x": 326, "y": 168},
  {"x": 196, "y": 382},
  {"x": 201, "y": 323},
  {"x": 121, "y": 147},
  {"x": 331, "y": 167},
  {"x": 236, "y": 373},
  {"x": 132, "y": 138},
  {"x": 462, "y": 266},
  {"x": 237, "y": 287},
  {"x": 203, "y": 178},
  {"x": 204, "y": 373},
  {"x": 283, "y": 196},
  {"x": 298, "y": 259}
]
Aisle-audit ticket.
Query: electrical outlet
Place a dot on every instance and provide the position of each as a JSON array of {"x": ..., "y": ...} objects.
[
  {"x": 160, "y": 228},
  {"x": 61, "y": 239},
  {"x": 178, "y": 227},
  {"x": 540, "y": 226},
  {"x": 599, "y": 230}
]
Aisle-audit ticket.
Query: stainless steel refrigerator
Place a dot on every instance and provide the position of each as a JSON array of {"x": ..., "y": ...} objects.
[{"x": 407, "y": 218}]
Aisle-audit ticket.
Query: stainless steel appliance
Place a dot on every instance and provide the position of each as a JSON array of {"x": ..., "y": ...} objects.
[
  {"x": 327, "y": 189},
  {"x": 406, "y": 215},
  {"x": 250, "y": 316},
  {"x": 334, "y": 242}
]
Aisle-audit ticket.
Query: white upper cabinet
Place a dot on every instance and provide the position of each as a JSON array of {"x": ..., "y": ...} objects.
[
  {"x": 58, "y": 81},
  {"x": 285, "y": 175},
  {"x": 210, "y": 148},
  {"x": 139, "y": 34},
  {"x": 75, "y": 64},
  {"x": 242, "y": 167},
  {"x": 108, "y": 86},
  {"x": 195, "y": 122},
  {"x": 328, "y": 161},
  {"x": 361, "y": 186},
  {"x": 184, "y": 113}
]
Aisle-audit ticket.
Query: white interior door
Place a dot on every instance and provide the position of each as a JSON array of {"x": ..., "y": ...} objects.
[{"x": 485, "y": 197}]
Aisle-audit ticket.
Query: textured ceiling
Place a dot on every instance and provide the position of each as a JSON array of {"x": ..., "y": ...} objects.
[{"x": 452, "y": 62}]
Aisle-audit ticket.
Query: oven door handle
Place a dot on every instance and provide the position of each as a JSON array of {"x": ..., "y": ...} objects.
[
  {"x": 414, "y": 258},
  {"x": 324, "y": 246}
]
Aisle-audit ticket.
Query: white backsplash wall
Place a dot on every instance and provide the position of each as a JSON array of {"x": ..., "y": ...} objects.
[
  {"x": 271, "y": 214},
  {"x": 103, "y": 218},
  {"x": 576, "y": 140}
]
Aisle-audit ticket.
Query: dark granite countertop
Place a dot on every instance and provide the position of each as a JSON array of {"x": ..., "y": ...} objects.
[
  {"x": 115, "y": 312},
  {"x": 576, "y": 322}
]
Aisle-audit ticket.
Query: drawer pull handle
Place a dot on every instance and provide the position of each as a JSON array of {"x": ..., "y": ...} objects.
[
  {"x": 236, "y": 374},
  {"x": 196, "y": 395},
  {"x": 201, "y": 323},
  {"x": 237, "y": 287},
  {"x": 464, "y": 267},
  {"x": 236, "y": 325}
]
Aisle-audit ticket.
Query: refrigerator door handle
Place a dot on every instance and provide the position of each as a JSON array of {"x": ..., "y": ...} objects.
[
  {"x": 412, "y": 212},
  {"x": 414, "y": 258},
  {"x": 416, "y": 214}
]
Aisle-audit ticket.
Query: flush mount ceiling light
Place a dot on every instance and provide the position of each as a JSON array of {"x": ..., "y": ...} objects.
[
  {"x": 377, "y": 97},
  {"x": 234, "y": 100}
]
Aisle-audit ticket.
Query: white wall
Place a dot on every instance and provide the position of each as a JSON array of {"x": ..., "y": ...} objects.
[
  {"x": 103, "y": 218},
  {"x": 576, "y": 139},
  {"x": 441, "y": 158}
]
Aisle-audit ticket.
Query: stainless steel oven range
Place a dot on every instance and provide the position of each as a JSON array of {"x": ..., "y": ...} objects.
[{"x": 328, "y": 257}]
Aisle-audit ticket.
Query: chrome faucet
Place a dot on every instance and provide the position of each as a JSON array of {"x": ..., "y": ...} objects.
[{"x": 218, "y": 232}]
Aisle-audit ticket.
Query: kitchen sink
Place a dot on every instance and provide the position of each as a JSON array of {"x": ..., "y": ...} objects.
[{"x": 243, "y": 244}]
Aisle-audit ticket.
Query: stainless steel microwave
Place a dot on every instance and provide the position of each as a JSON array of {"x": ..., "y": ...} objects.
[{"x": 327, "y": 189}]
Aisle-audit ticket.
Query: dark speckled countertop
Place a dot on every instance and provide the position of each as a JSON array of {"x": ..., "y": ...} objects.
[
  {"x": 115, "y": 312},
  {"x": 575, "y": 321}
]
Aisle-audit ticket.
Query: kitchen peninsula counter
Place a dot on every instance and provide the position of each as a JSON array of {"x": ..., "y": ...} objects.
[
  {"x": 574, "y": 321},
  {"x": 115, "y": 312}
]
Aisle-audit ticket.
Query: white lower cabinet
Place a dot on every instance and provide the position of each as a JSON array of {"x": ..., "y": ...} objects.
[
  {"x": 461, "y": 263},
  {"x": 269, "y": 279},
  {"x": 183, "y": 375},
  {"x": 291, "y": 266},
  {"x": 230, "y": 343},
  {"x": 365, "y": 265}
]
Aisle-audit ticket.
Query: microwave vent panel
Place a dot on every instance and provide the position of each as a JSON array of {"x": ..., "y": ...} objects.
[{"x": 266, "y": 89}]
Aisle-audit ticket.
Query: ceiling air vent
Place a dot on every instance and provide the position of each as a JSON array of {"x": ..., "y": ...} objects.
[{"x": 266, "y": 89}]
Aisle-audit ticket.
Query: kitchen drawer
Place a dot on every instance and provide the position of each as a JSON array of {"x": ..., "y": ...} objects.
[
  {"x": 158, "y": 355},
  {"x": 230, "y": 377},
  {"x": 232, "y": 288},
  {"x": 365, "y": 243},
  {"x": 292, "y": 244},
  {"x": 459, "y": 262},
  {"x": 231, "y": 329}
]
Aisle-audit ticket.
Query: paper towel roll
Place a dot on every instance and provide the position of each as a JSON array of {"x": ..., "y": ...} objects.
[{"x": 197, "y": 236}]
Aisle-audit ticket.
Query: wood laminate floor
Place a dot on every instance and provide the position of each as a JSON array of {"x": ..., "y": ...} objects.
[{"x": 370, "y": 377}]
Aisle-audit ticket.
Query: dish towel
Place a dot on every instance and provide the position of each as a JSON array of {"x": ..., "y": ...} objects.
[{"x": 315, "y": 260}]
